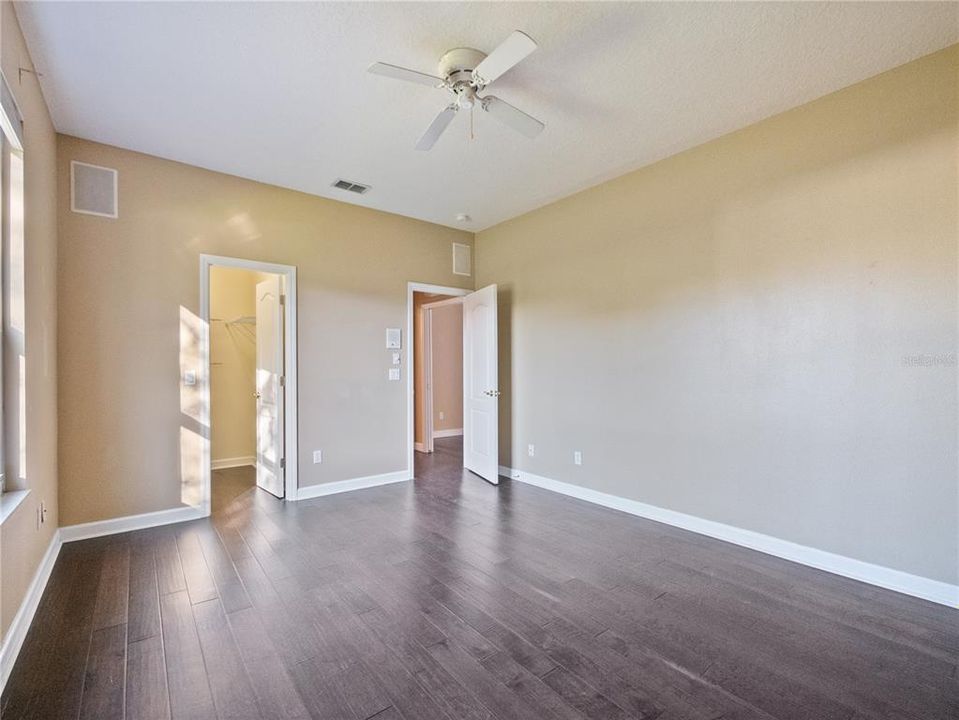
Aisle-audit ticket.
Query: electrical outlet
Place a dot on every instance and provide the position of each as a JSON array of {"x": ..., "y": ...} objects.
[
  {"x": 442, "y": 415},
  {"x": 317, "y": 457},
  {"x": 531, "y": 450},
  {"x": 577, "y": 457}
]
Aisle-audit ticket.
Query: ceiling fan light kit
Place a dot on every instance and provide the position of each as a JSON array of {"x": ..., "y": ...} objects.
[{"x": 464, "y": 73}]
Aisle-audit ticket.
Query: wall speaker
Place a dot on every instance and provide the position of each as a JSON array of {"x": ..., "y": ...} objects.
[
  {"x": 462, "y": 257},
  {"x": 93, "y": 190}
]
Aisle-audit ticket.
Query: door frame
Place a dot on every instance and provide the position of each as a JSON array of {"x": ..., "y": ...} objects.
[
  {"x": 288, "y": 273},
  {"x": 412, "y": 287},
  {"x": 428, "y": 362}
]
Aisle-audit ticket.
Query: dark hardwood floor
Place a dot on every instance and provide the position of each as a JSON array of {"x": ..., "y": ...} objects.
[{"x": 452, "y": 598}]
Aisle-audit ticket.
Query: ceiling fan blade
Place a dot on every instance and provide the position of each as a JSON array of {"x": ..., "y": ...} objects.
[
  {"x": 513, "y": 49},
  {"x": 436, "y": 128},
  {"x": 400, "y": 73},
  {"x": 513, "y": 117}
]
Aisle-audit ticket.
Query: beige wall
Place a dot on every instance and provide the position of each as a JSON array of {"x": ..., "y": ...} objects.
[
  {"x": 761, "y": 331},
  {"x": 124, "y": 282},
  {"x": 232, "y": 363},
  {"x": 419, "y": 368},
  {"x": 22, "y": 544},
  {"x": 447, "y": 340}
]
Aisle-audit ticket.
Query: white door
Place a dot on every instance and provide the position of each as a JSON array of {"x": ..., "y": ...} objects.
[
  {"x": 480, "y": 385},
  {"x": 269, "y": 386}
]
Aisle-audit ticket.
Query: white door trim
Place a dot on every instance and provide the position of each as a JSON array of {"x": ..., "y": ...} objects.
[
  {"x": 429, "y": 434},
  {"x": 288, "y": 272},
  {"x": 427, "y": 308},
  {"x": 412, "y": 287}
]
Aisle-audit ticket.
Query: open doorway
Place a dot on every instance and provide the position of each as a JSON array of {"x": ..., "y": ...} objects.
[
  {"x": 438, "y": 378},
  {"x": 469, "y": 437},
  {"x": 251, "y": 402}
]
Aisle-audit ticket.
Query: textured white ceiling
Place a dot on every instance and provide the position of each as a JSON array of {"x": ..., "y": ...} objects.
[{"x": 279, "y": 92}]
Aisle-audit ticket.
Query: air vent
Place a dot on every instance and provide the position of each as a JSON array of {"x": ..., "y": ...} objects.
[
  {"x": 352, "y": 187},
  {"x": 93, "y": 190},
  {"x": 461, "y": 259}
]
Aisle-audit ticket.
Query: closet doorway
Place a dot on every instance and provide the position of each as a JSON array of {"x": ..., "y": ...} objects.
[{"x": 249, "y": 351}]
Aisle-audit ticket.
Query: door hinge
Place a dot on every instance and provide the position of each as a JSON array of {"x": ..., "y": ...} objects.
[
  {"x": 282, "y": 380},
  {"x": 282, "y": 299},
  {"x": 282, "y": 463}
]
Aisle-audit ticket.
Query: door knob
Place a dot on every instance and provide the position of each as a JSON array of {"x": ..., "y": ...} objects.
[{"x": 256, "y": 395}]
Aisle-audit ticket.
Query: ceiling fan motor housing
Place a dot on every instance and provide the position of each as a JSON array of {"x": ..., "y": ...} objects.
[{"x": 457, "y": 65}]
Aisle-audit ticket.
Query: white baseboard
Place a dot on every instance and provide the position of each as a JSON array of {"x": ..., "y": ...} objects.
[
  {"x": 17, "y": 632},
  {"x": 224, "y": 463},
  {"x": 130, "y": 522},
  {"x": 419, "y": 447},
  {"x": 314, "y": 491},
  {"x": 447, "y": 433},
  {"x": 884, "y": 577}
]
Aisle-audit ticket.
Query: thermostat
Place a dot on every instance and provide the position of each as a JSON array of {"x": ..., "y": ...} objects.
[{"x": 393, "y": 338}]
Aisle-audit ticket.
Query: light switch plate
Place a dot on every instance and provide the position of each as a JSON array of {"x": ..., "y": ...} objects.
[
  {"x": 396, "y": 358},
  {"x": 394, "y": 373},
  {"x": 189, "y": 377}
]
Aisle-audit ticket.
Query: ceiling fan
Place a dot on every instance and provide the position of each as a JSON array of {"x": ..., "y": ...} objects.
[{"x": 465, "y": 72}]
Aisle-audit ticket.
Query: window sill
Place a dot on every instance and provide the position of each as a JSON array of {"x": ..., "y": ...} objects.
[{"x": 10, "y": 501}]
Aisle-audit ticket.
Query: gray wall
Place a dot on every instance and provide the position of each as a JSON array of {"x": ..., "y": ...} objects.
[{"x": 761, "y": 331}]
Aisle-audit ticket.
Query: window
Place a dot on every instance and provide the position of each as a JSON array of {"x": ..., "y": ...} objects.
[{"x": 13, "y": 482}]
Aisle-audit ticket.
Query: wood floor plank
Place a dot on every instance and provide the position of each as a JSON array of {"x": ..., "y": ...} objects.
[
  {"x": 530, "y": 688},
  {"x": 231, "y": 689},
  {"x": 196, "y": 572},
  {"x": 147, "y": 697},
  {"x": 443, "y": 687},
  {"x": 168, "y": 567},
  {"x": 405, "y": 692},
  {"x": 113, "y": 588},
  {"x": 322, "y": 697},
  {"x": 272, "y": 684},
  {"x": 105, "y": 676},
  {"x": 143, "y": 600},
  {"x": 228, "y": 584},
  {"x": 494, "y": 694},
  {"x": 190, "y": 697},
  {"x": 585, "y": 698}
]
